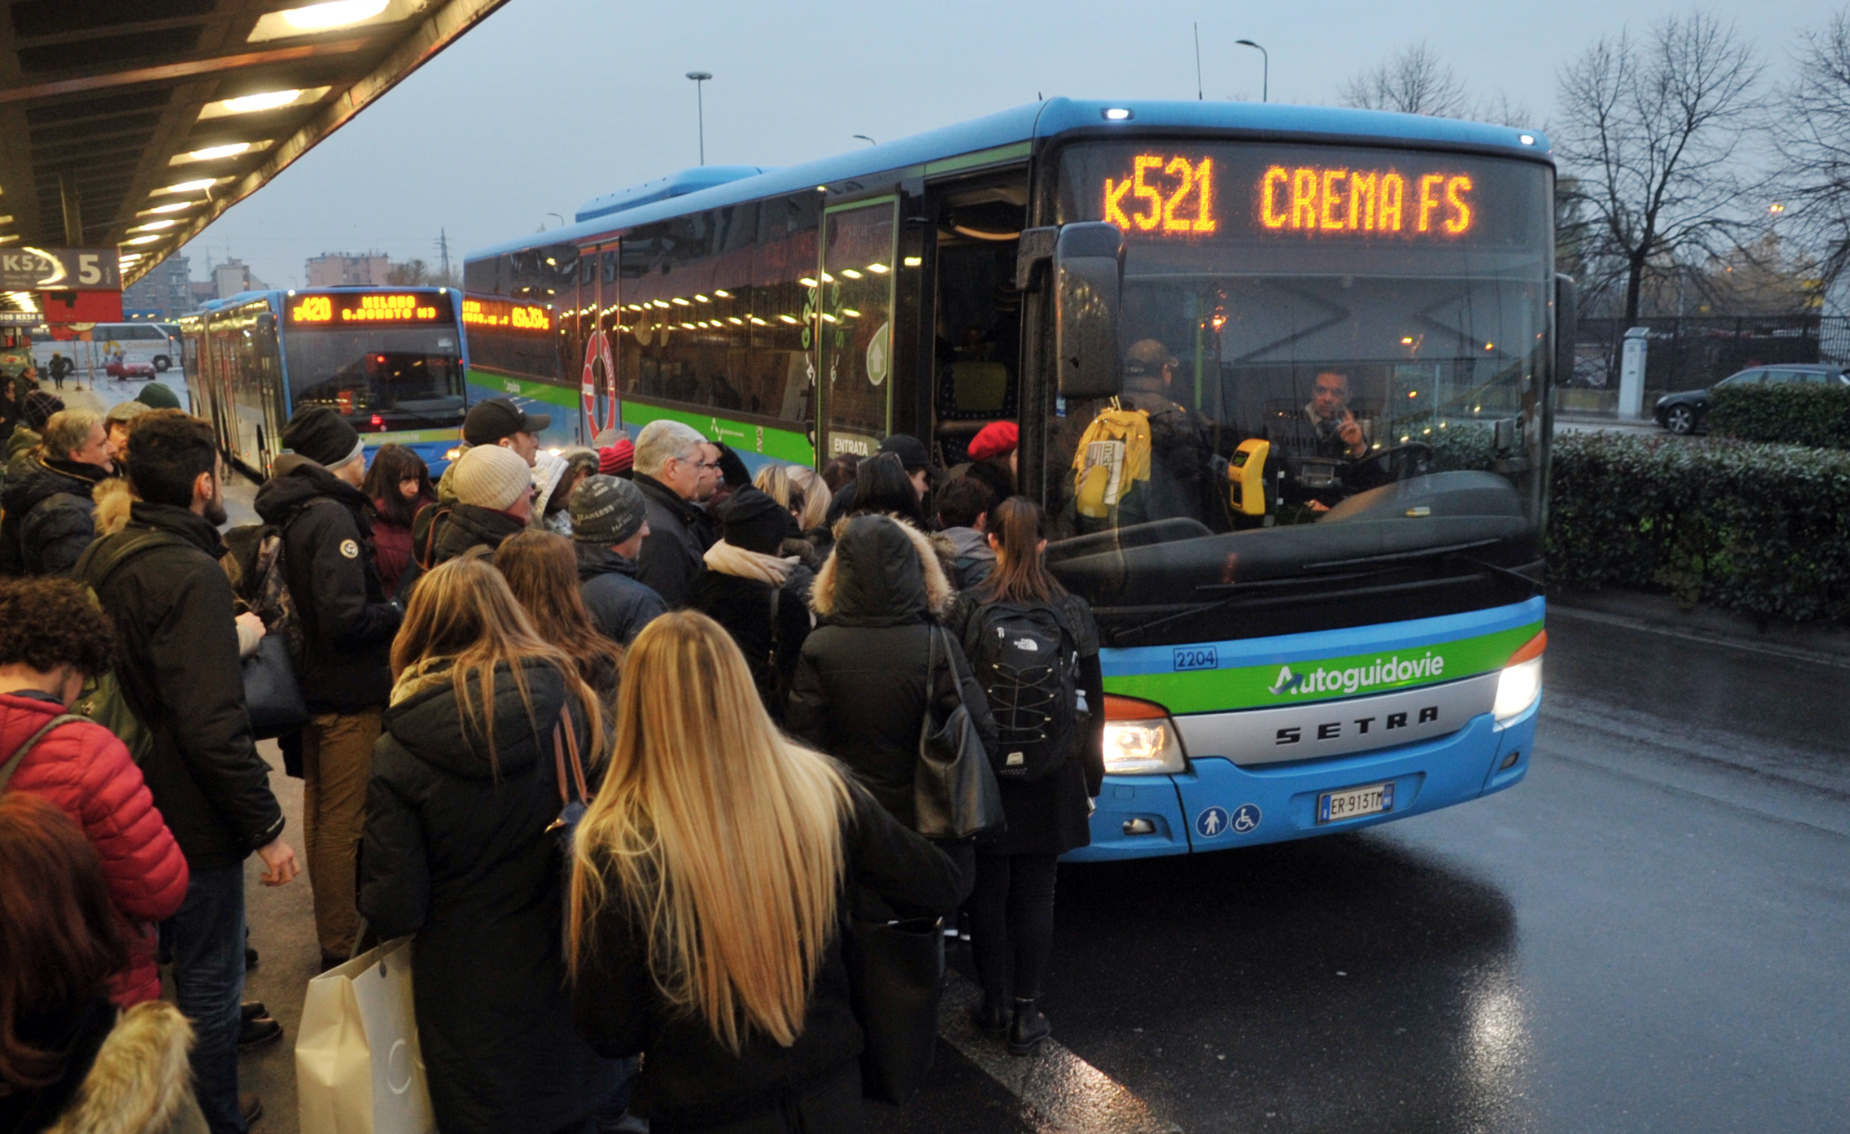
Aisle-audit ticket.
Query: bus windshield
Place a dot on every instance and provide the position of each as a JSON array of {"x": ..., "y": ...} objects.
[
  {"x": 1330, "y": 355},
  {"x": 379, "y": 378}
]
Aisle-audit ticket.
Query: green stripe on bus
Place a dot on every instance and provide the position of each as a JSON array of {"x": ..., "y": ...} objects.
[
  {"x": 780, "y": 444},
  {"x": 1323, "y": 679},
  {"x": 981, "y": 157},
  {"x": 407, "y": 436},
  {"x": 535, "y": 391}
]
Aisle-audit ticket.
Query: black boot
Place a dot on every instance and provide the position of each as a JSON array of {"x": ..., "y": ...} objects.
[
  {"x": 990, "y": 1017},
  {"x": 1029, "y": 1028}
]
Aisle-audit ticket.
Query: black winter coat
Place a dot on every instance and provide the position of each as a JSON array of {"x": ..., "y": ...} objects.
[
  {"x": 455, "y": 850},
  {"x": 179, "y": 671},
  {"x": 48, "y": 516},
  {"x": 675, "y": 549},
  {"x": 689, "y": 1078},
  {"x": 620, "y": 603},
  {"x": 441, "y": 532},
  {"x": 859, "y": 689},
  {"x": 328, "y": 559},
  {"x": 743, "y": 607},
  {"x": 1050, "y": 815}
]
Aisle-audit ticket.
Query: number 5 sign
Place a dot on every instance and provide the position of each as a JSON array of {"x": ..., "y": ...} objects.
[{"x": 59, "y": 269}]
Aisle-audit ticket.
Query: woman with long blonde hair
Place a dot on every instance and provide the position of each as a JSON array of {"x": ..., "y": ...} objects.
[
  {"x": 706, "y": 899},
  {"x": 456, "y": 851}
]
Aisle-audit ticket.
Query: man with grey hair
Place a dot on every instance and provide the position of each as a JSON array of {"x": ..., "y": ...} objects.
[
  {"x": 48, "y": 504},
  {"x": 668, "y": 463}
]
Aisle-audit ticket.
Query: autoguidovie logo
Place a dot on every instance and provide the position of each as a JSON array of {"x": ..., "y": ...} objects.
[{"x": 1392, "y": 670}]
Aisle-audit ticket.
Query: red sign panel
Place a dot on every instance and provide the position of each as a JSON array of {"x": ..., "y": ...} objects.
[{"x": 81, "y": 306}]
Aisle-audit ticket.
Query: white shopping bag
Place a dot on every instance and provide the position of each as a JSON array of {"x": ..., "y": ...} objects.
[{"x": 358, "y": 1066}]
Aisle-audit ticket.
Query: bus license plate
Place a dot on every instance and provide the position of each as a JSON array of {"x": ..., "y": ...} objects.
[{"x": 1352, "y": 803}]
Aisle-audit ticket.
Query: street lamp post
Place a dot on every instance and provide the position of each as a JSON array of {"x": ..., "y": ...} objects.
[
  {"x": 700, "y": 104},
  {"x": 1265, "y": 74}
]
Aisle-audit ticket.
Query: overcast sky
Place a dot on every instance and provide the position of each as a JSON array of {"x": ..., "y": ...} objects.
[{"x": 551, "y": 102}]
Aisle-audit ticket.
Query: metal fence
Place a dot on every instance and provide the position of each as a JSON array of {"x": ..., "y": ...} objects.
[{"x": 1695, "y": 352}]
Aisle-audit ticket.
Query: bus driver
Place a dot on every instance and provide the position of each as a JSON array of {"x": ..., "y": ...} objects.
[{"x": 1339, "y": 434}]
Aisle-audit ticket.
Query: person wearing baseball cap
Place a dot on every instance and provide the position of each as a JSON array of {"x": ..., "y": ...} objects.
[
  {"x": 313, "y": 498},
  {"x": 914, "y": 456},
  {"x": 610, "y": 519},
  {"x": 498, "y": 421}
]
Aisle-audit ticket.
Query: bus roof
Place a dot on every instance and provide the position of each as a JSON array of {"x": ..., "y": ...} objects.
[{"x": 940, "y": 151}]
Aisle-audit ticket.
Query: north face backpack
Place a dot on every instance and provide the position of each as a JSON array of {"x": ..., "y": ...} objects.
[{"x": 1027, "y": 661}]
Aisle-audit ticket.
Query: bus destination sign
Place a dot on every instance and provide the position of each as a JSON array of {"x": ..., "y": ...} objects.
[
  {"x": 506, "y": 315},
  {"x": 1174, "y": 196},
  {"x": 366, "y": 307}
]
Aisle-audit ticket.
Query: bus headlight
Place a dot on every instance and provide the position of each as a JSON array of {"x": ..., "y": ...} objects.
[
  {"x": 1520, "y": 683},
  {"x": 1140, "y": 739}
]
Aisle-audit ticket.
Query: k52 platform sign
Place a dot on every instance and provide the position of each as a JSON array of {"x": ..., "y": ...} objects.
[{"x": 59, "y": 269}]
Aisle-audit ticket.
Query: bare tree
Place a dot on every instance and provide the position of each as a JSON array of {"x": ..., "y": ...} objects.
[
  {"x": 1413, "y": 81},
  {"x": 416, "y": 273},
  {"x": 1650, "y": 130},
  {"x": 1812, "y": 132}
]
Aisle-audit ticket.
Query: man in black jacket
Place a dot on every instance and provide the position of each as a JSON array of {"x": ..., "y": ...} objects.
[
  {"x": 668, "y": 467},
  {"x": 160, "y": 582},
  {"x": 48, "y": 503},
  {"x": 313, "y": 497},
  {"x": 609, "y": 527}
]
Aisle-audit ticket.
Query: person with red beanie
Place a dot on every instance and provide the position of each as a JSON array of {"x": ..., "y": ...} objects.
[
  {"x": 52, "y": 637},
  {"x": 992, "y": 458},
  {"x": 617, "y": 458}
]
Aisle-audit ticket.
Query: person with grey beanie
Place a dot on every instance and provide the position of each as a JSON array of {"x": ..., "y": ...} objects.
[{"x": 610, "y": 519}]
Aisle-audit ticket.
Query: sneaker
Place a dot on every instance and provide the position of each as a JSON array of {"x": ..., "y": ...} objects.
[{"x": 262, "y": 1031}]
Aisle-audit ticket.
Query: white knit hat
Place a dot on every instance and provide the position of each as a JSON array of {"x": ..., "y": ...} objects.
[{"x": 490, "y": 476}]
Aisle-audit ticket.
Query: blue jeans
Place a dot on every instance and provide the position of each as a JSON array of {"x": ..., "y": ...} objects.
[{"x": 208, "y": 982}]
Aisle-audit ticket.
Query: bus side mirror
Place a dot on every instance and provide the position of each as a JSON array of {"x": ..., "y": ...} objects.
[
  {"x": 1088, "y": 269},
  {"x": 1567, "y": 326}
]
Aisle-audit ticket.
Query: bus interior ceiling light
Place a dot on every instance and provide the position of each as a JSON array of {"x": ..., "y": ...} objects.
[{"x": 332, "y": 14}]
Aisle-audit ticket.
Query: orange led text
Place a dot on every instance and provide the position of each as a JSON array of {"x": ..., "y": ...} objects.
[
  {"x": 1168, "y": 196},
  {"x": 1317, "y": 199},
  {"x": 515, "y": 316}
]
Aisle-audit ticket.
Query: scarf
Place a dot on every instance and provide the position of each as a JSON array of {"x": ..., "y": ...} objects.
[{"x": 730, "y": 559}]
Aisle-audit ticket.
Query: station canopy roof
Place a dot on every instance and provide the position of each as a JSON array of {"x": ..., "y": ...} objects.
[{"x": 134, "y": 123}]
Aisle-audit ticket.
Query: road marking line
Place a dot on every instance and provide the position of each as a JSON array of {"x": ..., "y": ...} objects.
[{"x": 1070, "y": 1095}]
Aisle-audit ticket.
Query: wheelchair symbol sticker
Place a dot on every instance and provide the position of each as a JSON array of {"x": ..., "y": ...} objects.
[{"x": 1246, "y": 818}]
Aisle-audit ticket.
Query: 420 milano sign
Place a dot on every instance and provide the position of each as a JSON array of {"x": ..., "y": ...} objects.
[{"x": 59, "y": 269}]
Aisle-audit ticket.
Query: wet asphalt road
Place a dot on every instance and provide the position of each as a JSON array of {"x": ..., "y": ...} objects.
[{"x": 1649, "y": 934}]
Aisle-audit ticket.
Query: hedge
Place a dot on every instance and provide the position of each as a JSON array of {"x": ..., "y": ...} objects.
[
  {"x": 1794, "y": 414},
  {"x": 1763, "y": 530}
]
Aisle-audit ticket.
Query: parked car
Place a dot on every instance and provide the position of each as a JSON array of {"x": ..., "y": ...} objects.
[
  {"x": 1687, "y": 411},
  {"x": 116, "y": 368}
]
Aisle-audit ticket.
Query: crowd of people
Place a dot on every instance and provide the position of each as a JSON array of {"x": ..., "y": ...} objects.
[{"x": 730, "y": 671}]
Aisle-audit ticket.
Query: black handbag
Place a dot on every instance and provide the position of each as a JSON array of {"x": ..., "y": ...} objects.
[
  {"x": 271, "y": 694},
  {"x": 895, "y": 979},
  {"x": 954, "y": 790}
]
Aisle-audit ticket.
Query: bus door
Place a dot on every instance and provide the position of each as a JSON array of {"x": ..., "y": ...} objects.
[{"x": 853, "y": 317}]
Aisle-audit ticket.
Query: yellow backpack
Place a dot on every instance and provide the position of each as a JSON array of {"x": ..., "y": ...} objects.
[{"x": 1112, "y": 458}]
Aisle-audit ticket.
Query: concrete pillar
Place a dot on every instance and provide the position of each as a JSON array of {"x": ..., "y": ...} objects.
[{"x": 1631, "y": 372}]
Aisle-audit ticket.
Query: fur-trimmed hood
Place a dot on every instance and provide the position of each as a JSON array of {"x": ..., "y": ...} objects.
[
  {"x": 112, "y": 504},
  {"x": 882, "y": 572},
  {"x": 141, "y": 1082}
]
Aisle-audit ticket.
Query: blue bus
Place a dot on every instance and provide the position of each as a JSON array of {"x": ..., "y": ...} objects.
[
  {"x": 1281, "y": 376},
  {"x": 388, "y": 360}
]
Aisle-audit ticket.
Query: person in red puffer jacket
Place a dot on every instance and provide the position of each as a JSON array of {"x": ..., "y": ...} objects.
[{"x": 51, "y": 638}]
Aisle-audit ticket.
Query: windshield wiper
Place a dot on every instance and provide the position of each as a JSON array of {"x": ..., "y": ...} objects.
[{"x": 1402, "y": 556}]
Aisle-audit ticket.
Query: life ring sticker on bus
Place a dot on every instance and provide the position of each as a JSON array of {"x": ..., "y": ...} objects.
[{"x": 597, "y": 349}]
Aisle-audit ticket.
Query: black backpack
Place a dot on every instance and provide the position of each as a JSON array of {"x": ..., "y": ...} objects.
[{"x": 1027, "y": 659}]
